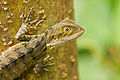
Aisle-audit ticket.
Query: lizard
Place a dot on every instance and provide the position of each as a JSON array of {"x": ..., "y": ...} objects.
[{"x": 19, "y": 57}]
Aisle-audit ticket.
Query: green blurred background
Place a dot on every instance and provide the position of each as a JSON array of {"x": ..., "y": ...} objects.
[{"x": 99, "y": 47}]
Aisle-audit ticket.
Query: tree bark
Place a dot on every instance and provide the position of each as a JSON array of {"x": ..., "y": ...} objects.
[{"x": 65, "y": 56}]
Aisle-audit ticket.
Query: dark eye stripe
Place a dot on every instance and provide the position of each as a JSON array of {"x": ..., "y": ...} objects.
[
  {"x": 65, "y": 34},
  {"x": 60, "y": 34}
]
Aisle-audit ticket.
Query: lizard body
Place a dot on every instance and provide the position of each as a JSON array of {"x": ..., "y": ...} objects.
[{"x": 21, "y": 56}]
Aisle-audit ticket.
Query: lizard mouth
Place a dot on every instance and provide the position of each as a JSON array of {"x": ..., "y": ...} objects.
[
  {"x": 74, "y": 36},
  {"x": 77, "y": 34}
]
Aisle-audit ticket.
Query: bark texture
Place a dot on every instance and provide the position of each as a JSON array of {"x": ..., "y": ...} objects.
[{"x": 65, "y": 56}]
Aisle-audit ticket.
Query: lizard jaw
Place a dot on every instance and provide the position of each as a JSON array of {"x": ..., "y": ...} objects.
[{"x": 66, "y": 39}]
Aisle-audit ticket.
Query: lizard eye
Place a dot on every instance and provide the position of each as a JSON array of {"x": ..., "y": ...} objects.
[{"x": 66, "y": 29}]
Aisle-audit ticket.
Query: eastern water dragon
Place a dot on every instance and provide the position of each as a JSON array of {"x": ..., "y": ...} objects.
[{"x": 19, "y": 57}]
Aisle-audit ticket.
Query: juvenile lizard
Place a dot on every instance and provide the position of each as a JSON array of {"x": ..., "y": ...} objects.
[{"x": 21, "y": 56}]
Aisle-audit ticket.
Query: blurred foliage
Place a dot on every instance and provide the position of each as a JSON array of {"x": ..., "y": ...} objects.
[{"x": 99, "y": 47}]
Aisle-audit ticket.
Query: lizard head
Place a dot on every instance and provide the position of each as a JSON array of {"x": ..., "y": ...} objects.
[{"x": 64, "y": 31}]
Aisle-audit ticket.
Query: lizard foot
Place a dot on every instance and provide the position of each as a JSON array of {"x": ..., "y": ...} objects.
[
  {"x": 42, "y": 64},
  {"x": 26, "y": 19}
]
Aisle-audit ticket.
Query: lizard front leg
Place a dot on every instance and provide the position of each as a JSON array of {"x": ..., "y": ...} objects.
[
  {"x": 42, "y": 64},
  {"x": 27, "y": 25}
]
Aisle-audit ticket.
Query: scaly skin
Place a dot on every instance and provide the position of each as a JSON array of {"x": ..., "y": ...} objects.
[{"x": 21, "y": 56}]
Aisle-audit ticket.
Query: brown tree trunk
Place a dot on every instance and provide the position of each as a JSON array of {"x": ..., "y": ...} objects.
[{"x": 65, "y": 56}]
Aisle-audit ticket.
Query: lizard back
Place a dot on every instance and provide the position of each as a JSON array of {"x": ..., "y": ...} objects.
[{"x": 19, "y": 57}]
